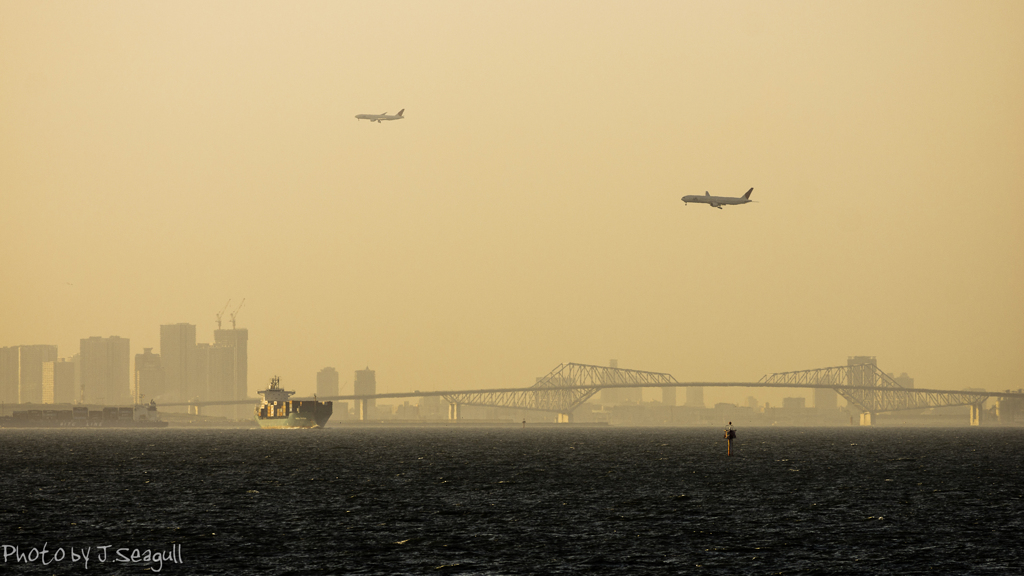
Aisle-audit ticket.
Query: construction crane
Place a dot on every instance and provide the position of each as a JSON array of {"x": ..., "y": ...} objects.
[
  {"x": 221, "y": 313},
  {"x": 235, "y": 313}
]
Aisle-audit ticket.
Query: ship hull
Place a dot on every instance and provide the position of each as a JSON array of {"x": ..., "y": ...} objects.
[
  {"x": 138, "y": 416},
  {"x": 8, "y": 422},
  {"x": 304, "y": 414}
]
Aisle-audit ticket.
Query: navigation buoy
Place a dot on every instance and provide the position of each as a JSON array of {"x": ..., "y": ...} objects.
[{"x": 730, "y": 435}]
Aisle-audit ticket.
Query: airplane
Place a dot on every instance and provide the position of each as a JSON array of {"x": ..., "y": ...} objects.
[
  {"x": 718, "y": 201},
  {"x": 378, "y": 117}
]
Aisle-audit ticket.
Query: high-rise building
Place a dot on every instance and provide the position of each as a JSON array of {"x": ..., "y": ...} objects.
[
  {"x": 862, "y": 370},
  {"x": 861, "y": 373},
  {"x": 220, "y": 379},
  {"x": 31, "y": 359},
  {"x": 237, "y": 339},
  {"x": 59, "y": 381},
  {"x": 633, "y": 395},
  {"x": 861, "y": 360},
  {"x": 21, "y": 372},
  {"x": 205, "y": 372},
  {"x": 177, "y": 357},
  {"x": 668, "y": 395},
  {"x": 366, "y": 383},
  {"x": 796, "y": 403},
  {"x": 327, "y": 382},
  {"x": 611, "y": 396},
  {"x": 221, "y": 372},
  {"x": 77, "y": 359},
  {"x": 617, "y": 396},
  {"x": 825, "y": 399},
  {"x": 431, "y": 408},
  {"x": 199, "y": 385},
  {"x": 904, "y": 380},
  {"x": 105, "y": 370},
  {"x": 149, "y": 377},
  {"x": 695, "y": 396},
  {"x": 9, "y": 375}
]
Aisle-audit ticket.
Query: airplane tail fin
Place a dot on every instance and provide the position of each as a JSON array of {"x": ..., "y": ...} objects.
[
  {"x": 403, "y": 110},
  {"x": 747, "y": 195},
  {"x": 706, "y": 193}
]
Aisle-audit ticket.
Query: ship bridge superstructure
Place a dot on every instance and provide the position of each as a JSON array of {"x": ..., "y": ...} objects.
[{"x": 275, "y": 393}]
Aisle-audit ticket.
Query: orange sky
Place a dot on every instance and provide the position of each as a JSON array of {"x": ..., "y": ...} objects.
[{"x": 164, "y": 157}]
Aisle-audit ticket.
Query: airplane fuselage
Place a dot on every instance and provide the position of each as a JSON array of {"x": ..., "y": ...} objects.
[
  {"x": 718, "y": 201},
  {"x": 378, "y": 118}
]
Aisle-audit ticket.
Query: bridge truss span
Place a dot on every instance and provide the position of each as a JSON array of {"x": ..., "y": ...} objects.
[
  {"x": 569, "y": 385},
  {"x": 563, "y": 389},
  {"x": 872, "y": 390}
]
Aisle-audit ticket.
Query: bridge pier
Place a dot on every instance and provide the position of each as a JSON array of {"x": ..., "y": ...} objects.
[
  {"x": 363, "y": 407},
  {"x": 454, "y": 411},
  {"x": 976, "y": 411},
  {"x": 867, "y": 418},
  {"x": 564, "y": 418},
  {"x": 193, "y": 410}
]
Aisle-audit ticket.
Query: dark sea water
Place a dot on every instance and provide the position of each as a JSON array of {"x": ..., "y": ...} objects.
[{"x": 517, "y": 501}]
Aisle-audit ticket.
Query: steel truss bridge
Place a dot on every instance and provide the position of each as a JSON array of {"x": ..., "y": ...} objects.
[
  {"x": 872, "y": 390},
  {"x": 568, "y": 386},
  {"x": 563, "y": 390}
]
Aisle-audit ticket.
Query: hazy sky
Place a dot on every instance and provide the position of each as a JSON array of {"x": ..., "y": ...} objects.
[{"x": 158, "y": 158}]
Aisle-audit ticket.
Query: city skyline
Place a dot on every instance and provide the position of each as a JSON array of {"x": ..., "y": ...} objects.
[
  {"x": 204, "y": 374},
  {"x": 476, "y": 321},
  {"x": 213, "y": 368},
  {"x": 157, "y": 160}
]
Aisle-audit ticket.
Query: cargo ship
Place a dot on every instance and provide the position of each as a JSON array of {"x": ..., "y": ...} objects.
[
  {"x": 138, "y": 416},
  {"x": 277, "y": 411}
]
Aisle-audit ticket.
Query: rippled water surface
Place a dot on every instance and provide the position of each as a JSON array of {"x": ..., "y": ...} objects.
[{"x": 518, "y": 501}]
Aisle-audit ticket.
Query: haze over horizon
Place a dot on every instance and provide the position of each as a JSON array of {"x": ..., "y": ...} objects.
[{"x": 157, "y": 159}]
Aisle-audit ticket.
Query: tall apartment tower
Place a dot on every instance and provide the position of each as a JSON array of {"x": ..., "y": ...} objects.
[
  {"x": 21, "y": 372},
  {"x": 59, "y": 381},
  {"x": 233, "y": 382},
  {"x": 77, "y": 359},
  {"x": 862, "y": 373},
  {"x": 668, "y": 395},
  {"x": 366, "y": 383},
  {"x": 199, "y": 387},
  {"x": 177, "y": 357},
  {"x": 220, "y": 379},
  {"x": 825, "y": 399},
  {"x": 9, "y": 375},
  {"x": 327, "y": 382},
  {"x": 612, "y": 396},
  {"x": 615, "y": 396},
  {"x": 633, "y": 395},
  {"x": 27, "y": 371},
  {"x": 105, "y": 370},
  {"x": 904, "y": 380},
  {"x": 217, "y": 379},
  {"x": 695, "y": 396},
  {"x": 149, "y": 377}
]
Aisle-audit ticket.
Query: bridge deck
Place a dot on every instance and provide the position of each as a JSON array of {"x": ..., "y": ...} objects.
[{"x": 423, "y": 393}]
